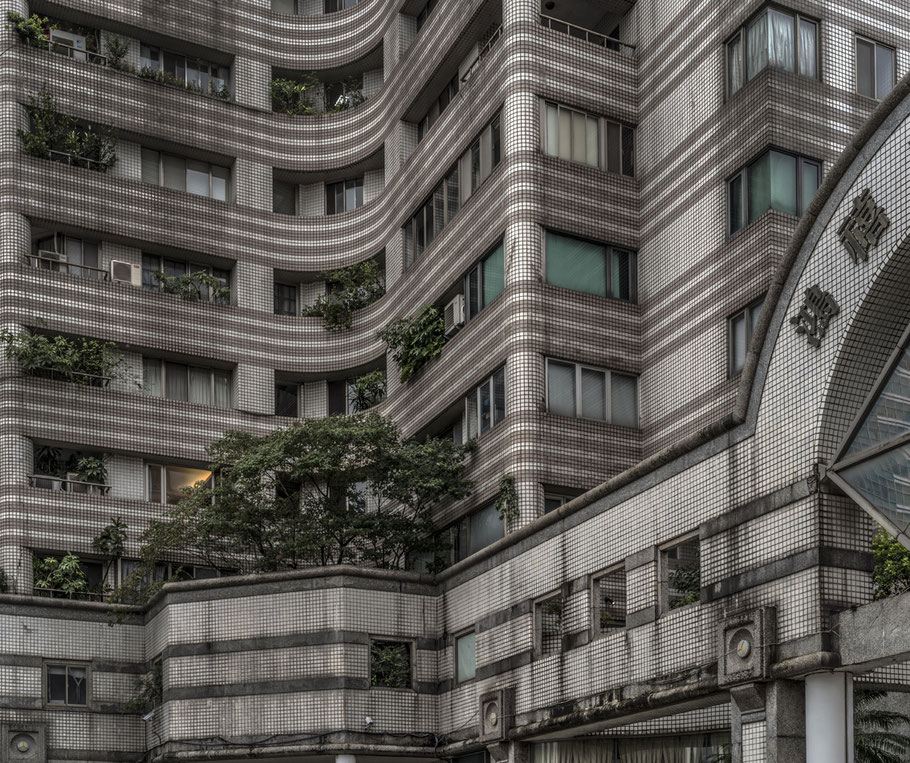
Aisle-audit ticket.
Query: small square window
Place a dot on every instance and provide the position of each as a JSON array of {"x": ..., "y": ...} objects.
[
  {"x": 680, "y": 575},
  {"x": 390, "y": 664},
  {"x": 67, "y": 685},
  {"x": 874, "y": 68},
  {"x": 609, "y": 605},
  {"x": 466, "y": 657},
  {"x": 548, "y": 619}
]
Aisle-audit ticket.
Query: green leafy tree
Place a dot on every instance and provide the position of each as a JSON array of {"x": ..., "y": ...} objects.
[
  {"x": 192, "y": 286},
  {"x": 390, "y": 664},
  {"x": 73, "y": 359},
  {"x": 350, "y": 289},
  {"x": 53, "y": 134},
  {"x": 301, "y": 95},
  {"x": 60, "y": 576},
  {"x": 874, "y": 737},
  {"x": 507, "y": 498},
  {"x": 116, "y": 49},
  {"x": 415, "y": 342},
  {"x": 367, "y": 390},
  {"x": 149, "y": 690},
  {"x": 891, "y": 565},
  {"x": 334, "y": 490},
  {"x": 111, "y": 543}
]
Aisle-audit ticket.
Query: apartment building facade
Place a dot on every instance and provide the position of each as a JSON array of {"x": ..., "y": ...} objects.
[{"x": 605, "y": 200}]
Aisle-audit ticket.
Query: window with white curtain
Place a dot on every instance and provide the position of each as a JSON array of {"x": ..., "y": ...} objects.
[
  {"x": 875, "y": 73},
  {"x": 740, "y": 328},
  {"x": 193, "y": 384},
  {"x": 776, "y": 180},
  {"x": 592, "y": 393},
  {"x": 485, "y": 406},
  {"x": 575, "y": 135},
  {"x": 182, "y": 174},
  {"x": 772, "y": 38}
]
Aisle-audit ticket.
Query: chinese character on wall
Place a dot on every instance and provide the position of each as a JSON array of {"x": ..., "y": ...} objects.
[
  {"x": 814, "y": 316},
  {"x": 863, "y": 227}
]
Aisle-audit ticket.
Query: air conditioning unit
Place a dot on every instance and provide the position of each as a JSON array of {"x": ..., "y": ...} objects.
[
  {"x": 69, "y": 40},
  {"x": 47, "y": 254},
  {"x": 453, "y": 315},
  {"x": 126, "y": 272}
]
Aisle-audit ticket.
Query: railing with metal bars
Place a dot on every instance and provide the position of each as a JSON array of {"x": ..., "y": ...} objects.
[
  {"x": 90, "y": 380},
  {"x": 595, "y": 38},
  {"x": 78, "y": 54},
  {"x": 79, "y": 161},
  {"x": 482, "y": 53},
  {"x": 47, "y": 260},
  {"x": 67, "y": 485}
]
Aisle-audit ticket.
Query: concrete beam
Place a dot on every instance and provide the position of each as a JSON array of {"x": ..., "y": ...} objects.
[{"x": 875, "y": 634}]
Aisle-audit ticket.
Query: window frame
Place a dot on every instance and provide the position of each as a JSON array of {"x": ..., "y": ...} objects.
[
  {"x": 857, "y": 38},
  {"x": 412, "y": 655},
  {"x": 608, "y": 391},
  {"x": 163, "y": 363},
  {"x": 476, "y": 392},
  {"x": 538, "y": 609},
  {"x": 289, "y": 385},
  {"x": 331, "y": 193},
  {"x": 609, "y": 252},
  {"x": 67, "y": 664},
  {"x": 663, "y": 577},
  {"x": 223, "y": 81},
  {"x": 754, "y": 306},
  {"x": 480, "y": 269},
  {"x": 604, "y": 141},
  {"x": 597, "y": 628},
  {"x": 742, "y": 175},
  {"x": 454, "y": 530},
  {"x": 472, "y": 631},
  {"x": 742, "y": 35},
  {"x": 190, "y": 267},
  {"x": 228, "y": 185},
  {"x": 163, "y": 476},
  {"x": 295, "y": 288}
]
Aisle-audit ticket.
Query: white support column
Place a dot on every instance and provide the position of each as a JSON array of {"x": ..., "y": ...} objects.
[{"x": 829, "y": 718}]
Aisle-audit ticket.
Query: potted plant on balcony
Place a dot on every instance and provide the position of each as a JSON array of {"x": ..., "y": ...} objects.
[
  {"x": 48, "y": 468},
  {"x": 60, "y": 578},
  {"x": 91, "y": 471}
]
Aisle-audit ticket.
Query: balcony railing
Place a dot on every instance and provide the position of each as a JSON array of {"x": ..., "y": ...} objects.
[
  {"x": 79, "y": 161},
  {"x": 46, "y": 260},
  {"x": 67, "y": 485},
  {"x": 77, "y": 54},
  {"x": 56, "y": 593},
  {"x": 90, "y": 380},
  {"x": 595, "y": 38},
  {"x": 482, "y": 53}
]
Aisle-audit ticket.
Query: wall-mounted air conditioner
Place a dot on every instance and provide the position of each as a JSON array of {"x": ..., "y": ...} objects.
[
  {"x": 126, "y": 272},
  {"x": 69, "y": 40},
  {"x": 47, "y": 254},
  {"x": 453, "y": 315}
]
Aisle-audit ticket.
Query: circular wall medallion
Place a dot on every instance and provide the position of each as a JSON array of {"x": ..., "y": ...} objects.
[
  {"x": 492, "y": 714},
  {"x": 743, "y": 647}
]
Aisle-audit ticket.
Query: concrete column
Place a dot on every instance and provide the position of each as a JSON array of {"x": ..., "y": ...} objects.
[
  {"x": 767, "y": 722},
  {"x": 252, "y": 80},
  {"x": 829, "y": 718}
]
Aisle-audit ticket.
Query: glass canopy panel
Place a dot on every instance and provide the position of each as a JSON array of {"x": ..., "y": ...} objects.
[
  {"x": 884, "y": 481},
  {"x": 889, "y": 417}
]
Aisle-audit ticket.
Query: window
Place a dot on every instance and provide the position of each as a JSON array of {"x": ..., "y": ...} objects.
[
  {"x": 284, "y": 198},
  {"x": 390, "y": 664},
  {"x": 740, "y": 328},
  {"x": 484, "y": 282},
  {"x": 574, "y": 135},
  {"x": 474, "y": 166},
  {"x": 680, "y": 574},
  {"x": 342, "y": 397},
  {"x": 285, "y": 6},
  {"x": 285, "y": 295},
  {"x": 338, "y": 5},
  {"x": 590, "y": 393},
  {"x": 465, "y": 657},
  {"x": 67, "y": 685},
  {"x": 184, "y": 70},
  {"x": 552, "y": 501},
  {"x": 485, "y": 406},
  {"x": 475, "y": 531},
  {"x": 606, "y": 271},
  {"x": 775, "y": 180},
  {"x": 287, "y": 400},
  {"x": 773, "y": 38},
  {"x": 69, "y": 254},
  {"x": 152, "y": 264},
  {"x": 181, "y": 174},
  {"x": 548, "y": 617},
  {"x": 346, "y": 93},
  {"x": 609, "y": 601},
  {"x": 439, "y": 105},
  {"x": 874, "y": 68},
  {"x": 424, "y": 13},
  {"x": 343, "y": 196},
  {"x": 165, "y": 484},
  {"x": 192, "y": 384}
]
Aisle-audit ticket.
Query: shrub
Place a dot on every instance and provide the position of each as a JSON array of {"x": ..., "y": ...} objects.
[
  {"x": 416, "y": 341},
  {"x": 891, "y": 566},
  {"x": 60, "y": 575},
  {"x": 78, "y": 360},
  {"x": 4, "y": 582},
  {"x": 116, "y": 49},
  {"x": 390, "y": 664},
  {"x": 507, "y": 498},
  {"x": 91, "y": 469},
  {"x": 350, "y": 289},
  {"x": 34, "y": 29},
  {"x": 52, "y": 133},
  {"x": 368, "y": 390},
  {"x": 192, "y": 285},
  {"x": 149, "y": 690},
  {"x": 296, "y": 97}
]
